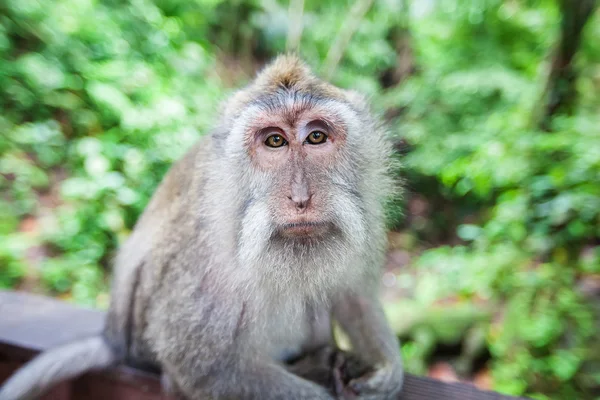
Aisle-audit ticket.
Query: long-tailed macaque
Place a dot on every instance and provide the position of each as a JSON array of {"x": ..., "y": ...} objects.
[{"x": 265, "y": 232}]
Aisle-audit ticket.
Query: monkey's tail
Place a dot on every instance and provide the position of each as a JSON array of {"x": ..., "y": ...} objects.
[{"x": 56, "y": 365}]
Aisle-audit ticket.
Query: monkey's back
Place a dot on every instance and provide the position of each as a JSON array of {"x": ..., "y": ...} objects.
[{"x": 141, "y": 262}]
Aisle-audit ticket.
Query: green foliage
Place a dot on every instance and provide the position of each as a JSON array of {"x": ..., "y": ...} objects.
[
  {"x": 11, "y": 267},
  {"x": 98, "y": 97},
  {"x": 528, "y": 201}
]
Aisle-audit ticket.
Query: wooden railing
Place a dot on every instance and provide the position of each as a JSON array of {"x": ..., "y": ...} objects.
[{"x": 30, "y": 324}]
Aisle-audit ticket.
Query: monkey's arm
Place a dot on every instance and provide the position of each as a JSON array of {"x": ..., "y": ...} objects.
[
  {"x": 245, "y": 379},
  {"x": 373, "y": 341}
]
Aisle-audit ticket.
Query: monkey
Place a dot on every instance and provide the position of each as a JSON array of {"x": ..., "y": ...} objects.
[
  {"x": 332, "y": 368},
  {"x": 266, "y": 232}
]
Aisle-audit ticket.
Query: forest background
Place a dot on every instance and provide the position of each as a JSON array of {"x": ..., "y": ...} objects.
[{"x": 493, "y": 272}]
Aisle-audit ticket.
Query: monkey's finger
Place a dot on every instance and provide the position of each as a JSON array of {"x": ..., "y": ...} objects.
[
  {"x": 372, "y": 381},
  {"x": 338, "y": 381}
]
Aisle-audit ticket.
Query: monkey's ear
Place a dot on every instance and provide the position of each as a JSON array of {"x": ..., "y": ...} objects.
[
  {"x": 231, "y": 107},
  {"x": 357, "y": 99}
]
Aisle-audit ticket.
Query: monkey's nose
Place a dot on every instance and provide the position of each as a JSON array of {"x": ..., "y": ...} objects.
[{"x": 300, "y": 200}]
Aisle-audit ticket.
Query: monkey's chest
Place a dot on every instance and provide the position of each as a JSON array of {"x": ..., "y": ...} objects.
[{"x": 287, "y": 334}]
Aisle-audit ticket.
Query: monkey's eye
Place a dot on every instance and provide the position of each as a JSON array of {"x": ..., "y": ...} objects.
[
  {"x": 316, "y": 137},
  {"x": 275, "y": 141}
]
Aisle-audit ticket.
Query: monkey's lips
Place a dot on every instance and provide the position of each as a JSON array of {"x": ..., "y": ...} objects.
[{"x": 304, "y": 229}]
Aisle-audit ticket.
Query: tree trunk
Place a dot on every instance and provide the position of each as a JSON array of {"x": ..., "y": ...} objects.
[
  {"x": 401, "y": 40},
  {"x": 560, "y": 92}
]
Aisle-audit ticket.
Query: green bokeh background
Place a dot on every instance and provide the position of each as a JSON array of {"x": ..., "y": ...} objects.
[{"x": 498, "y": 233}]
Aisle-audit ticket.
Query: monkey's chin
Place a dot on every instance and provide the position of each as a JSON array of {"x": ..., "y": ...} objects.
[{"x": 304, "y": 230}]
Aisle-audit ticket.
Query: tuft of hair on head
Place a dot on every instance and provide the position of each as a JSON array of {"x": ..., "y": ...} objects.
[{"x": 287, "y": 71}]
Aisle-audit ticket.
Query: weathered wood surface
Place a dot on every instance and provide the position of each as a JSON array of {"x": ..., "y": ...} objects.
[{"x": 30, "y": 324}]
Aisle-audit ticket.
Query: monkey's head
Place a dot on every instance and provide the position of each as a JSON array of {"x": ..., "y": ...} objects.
[{"x": 307, "y": 164}]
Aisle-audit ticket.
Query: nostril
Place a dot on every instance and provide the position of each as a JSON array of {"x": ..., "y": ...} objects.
[{"x": 300, "y": 202}]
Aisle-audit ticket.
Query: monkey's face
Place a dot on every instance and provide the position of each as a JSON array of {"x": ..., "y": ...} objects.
[
  {"x": 296, "y": 157},
  {"x": 300, "y": 179},
  {"x": 303, "y": 170}
]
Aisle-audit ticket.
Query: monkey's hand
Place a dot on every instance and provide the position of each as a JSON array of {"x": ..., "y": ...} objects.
[
  {"x": 331, "y": 368},
  {"x": 384, "y": 382},
  {"x": 316, "y": 366}
]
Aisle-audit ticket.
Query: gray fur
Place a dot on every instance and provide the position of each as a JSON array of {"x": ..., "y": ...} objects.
[{"x": 205, "y": 287}]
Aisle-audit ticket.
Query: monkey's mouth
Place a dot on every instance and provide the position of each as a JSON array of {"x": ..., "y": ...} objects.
[{"x": 304, "y": 229}]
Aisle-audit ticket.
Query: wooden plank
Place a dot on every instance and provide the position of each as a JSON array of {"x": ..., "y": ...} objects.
[
  {"x": 30, "y": 324},
  {"x": 120, "y": 384},
  {"x": 39, "y": 323},
  {"x": 421, "y": 388}
]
